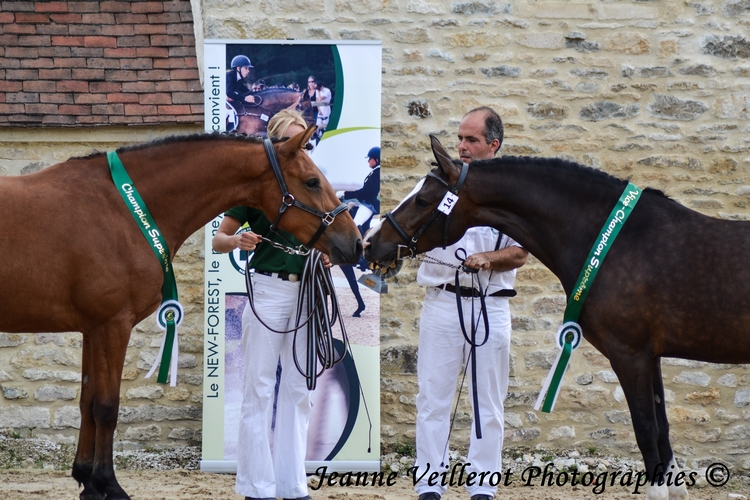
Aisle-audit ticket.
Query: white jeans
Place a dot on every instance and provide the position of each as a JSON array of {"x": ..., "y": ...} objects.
[
  {"x": 442, "y": 352},
  {"x": 272, "y": 464}
]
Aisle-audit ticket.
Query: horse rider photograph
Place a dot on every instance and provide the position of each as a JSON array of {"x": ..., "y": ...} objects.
[
  {"x": 443, "y": 346},
  {"x": 238, "y": 81}
]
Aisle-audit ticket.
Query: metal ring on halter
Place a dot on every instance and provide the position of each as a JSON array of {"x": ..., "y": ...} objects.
[
  {"x": 167, "y": 307},
  {"x": 569, "y": 332},
  {"x": 288, "y": 196}
]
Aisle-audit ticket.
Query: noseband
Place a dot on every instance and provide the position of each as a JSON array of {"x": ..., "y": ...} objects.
[
  {"x": 288, "y": 200},
  {"x": 411, "y": 242}
]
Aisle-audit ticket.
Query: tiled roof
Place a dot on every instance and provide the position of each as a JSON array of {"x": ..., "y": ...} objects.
[{"x": 98, "y": 63}]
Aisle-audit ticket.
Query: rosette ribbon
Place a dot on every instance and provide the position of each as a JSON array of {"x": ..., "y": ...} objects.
[
  {"x": 170, "y": 312},
  {"x": 569, "y": 335}
]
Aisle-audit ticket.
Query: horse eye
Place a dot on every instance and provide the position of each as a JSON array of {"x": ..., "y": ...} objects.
[
  {"x": 421, "y": 202},
  {"x": 313, "y": 183}
]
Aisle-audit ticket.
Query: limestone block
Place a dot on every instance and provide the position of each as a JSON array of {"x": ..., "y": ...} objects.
[
  {"x": 10, "y": 392},
  {"x": 151, "y": 392},
  {"x": 55, "y": 393},
  {"x": 692, "y": 378},
  {"x": 149, "y": 433},
  {"x": 15, "y": 416},
  {"x": 67, "y": 417}
]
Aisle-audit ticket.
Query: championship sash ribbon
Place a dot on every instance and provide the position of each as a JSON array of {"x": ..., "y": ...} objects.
[
  {"x": 569, "y": 334},
  {"x": 170, "y": 313}
]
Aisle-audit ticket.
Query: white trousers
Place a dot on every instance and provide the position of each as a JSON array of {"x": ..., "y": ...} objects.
[
  {"x": 442, "y": 353},
  {"x": 272, "y": 464}
]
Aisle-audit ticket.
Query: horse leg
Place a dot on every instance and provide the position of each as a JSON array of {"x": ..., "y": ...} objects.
[
  {"x": 109, "y": 343},
  {"x": 83, "y": 464},
  {"x": 676, "y": 492},
  {"x": 636, "y": 378}
]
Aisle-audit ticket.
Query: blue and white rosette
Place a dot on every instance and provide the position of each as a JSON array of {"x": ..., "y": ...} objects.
[{"x": 168, "y": 318}]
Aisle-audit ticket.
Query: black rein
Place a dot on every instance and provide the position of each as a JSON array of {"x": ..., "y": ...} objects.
[{"x": 288, "y": 200}]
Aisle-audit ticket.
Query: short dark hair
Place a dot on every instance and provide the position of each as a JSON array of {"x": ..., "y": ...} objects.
[{"x": 493, "y": 124}]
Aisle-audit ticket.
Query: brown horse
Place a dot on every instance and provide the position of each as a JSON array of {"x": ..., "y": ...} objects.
[
  {"x": 74, "y": 260},
  {"x": 675, "y": 282},
  {"x": 253, "y": 119}
]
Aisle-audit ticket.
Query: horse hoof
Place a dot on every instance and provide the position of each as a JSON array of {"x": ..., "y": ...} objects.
[{"x": 657, "y": 492}]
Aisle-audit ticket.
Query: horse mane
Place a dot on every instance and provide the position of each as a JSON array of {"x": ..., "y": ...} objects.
[
  {"x": 571, "y": 168},
  {"x": 192, "y": 138}
]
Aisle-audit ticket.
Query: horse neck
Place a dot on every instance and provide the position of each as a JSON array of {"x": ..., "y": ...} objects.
[
  {"x": 186, "y": 184},
  {"x": 555, "y": 212}
]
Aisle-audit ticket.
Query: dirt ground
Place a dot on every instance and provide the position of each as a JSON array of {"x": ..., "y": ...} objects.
[{"x": 180, "y": 484}]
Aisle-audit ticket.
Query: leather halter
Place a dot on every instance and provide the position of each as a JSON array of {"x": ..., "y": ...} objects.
[
  {"x": 288, "y": 200},
  {"x": 411, "y": 242}
]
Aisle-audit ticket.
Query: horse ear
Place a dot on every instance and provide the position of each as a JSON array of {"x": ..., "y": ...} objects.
[
  {"x": 445, "y": 162},
  {"x": 297, "y": 142}
]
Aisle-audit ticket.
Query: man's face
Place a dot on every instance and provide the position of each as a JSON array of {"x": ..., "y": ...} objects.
[
  {"x": 472, "y": 144},
  {"x": 372, "y": 162}
]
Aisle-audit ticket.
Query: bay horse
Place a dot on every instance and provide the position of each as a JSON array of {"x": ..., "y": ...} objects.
[
  {"x": 675, "y": 282},
  {"x": 74, "y": 260},
  {"x": 253, "y": 119}
]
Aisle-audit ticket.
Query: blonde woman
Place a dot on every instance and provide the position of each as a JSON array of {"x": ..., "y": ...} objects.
[{"x": 270, "y": 464}]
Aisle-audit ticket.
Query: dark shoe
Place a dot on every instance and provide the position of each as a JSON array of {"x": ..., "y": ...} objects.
[
  {"x": 306, "y": 497},
  {"x": 481, "y": 497},
  {"x": 431, "y": 495},
  {"x": 358, "y": 312}
]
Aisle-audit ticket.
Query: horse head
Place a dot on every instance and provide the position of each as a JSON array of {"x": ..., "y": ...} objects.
[
  {"x": 429, "y": 216},
  {"x": 309, "y": 205}
]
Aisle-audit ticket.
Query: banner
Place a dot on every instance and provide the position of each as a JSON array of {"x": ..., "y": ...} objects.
[{"x": 246, "y": 83}]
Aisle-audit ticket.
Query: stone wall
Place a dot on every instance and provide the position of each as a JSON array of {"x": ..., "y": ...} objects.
[{"x": 653, "y": 91}]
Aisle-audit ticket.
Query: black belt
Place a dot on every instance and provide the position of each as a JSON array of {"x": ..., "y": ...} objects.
[
  {"x": 473, "y": 292},
  {"x": 282, "y": 276}
]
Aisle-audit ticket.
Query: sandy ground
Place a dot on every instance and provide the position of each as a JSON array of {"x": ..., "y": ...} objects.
[{"x": 31, "y": 484}]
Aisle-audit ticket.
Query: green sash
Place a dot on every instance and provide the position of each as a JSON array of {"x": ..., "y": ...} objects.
[
  {"x": 569, "y": 334},
  {"x": 170, "y": 311}
]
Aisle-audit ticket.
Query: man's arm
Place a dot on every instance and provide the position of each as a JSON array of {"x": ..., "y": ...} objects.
[{"x": 505, "y": 259}]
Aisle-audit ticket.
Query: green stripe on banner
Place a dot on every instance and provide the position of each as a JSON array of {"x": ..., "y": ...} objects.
[
  {"x": 338, "y": 101},
  {"x": 146, "y": 224},
  {"x": 609, "y": 232}
]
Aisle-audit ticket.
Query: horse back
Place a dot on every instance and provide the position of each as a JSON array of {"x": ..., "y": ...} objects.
[
  {"x": 69, "y": 257},
  {"x": 676, "y": 282}
]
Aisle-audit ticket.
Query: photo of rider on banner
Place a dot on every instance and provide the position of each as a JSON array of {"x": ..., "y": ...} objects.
[
  {"x": 262, "y": 81},
  {"x": 335, "y": 87}
]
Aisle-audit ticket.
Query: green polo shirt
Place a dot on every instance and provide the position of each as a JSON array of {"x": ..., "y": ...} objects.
[{"x": 267, "y": 258}]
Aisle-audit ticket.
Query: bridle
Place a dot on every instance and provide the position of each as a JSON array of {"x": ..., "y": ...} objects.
[
  {"x": 288, "y": 200},
  {"x": 411, "y": 241}
]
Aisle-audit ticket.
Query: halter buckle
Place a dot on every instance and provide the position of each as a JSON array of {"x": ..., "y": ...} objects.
[
  {"x": 328, "y": 219},
  {"x": 400, "y": 255},
  {"x": 287, "y": 204}
]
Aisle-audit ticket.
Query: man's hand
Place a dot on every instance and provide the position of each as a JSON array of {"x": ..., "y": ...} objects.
[
  {"x": 479, "y": 261},
  {"x": 504, "y": 259}
]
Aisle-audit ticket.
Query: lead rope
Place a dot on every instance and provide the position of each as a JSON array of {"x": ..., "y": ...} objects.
[
  {"x": 471, "y": 358},
  {"x": 316, "y": 286}
]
